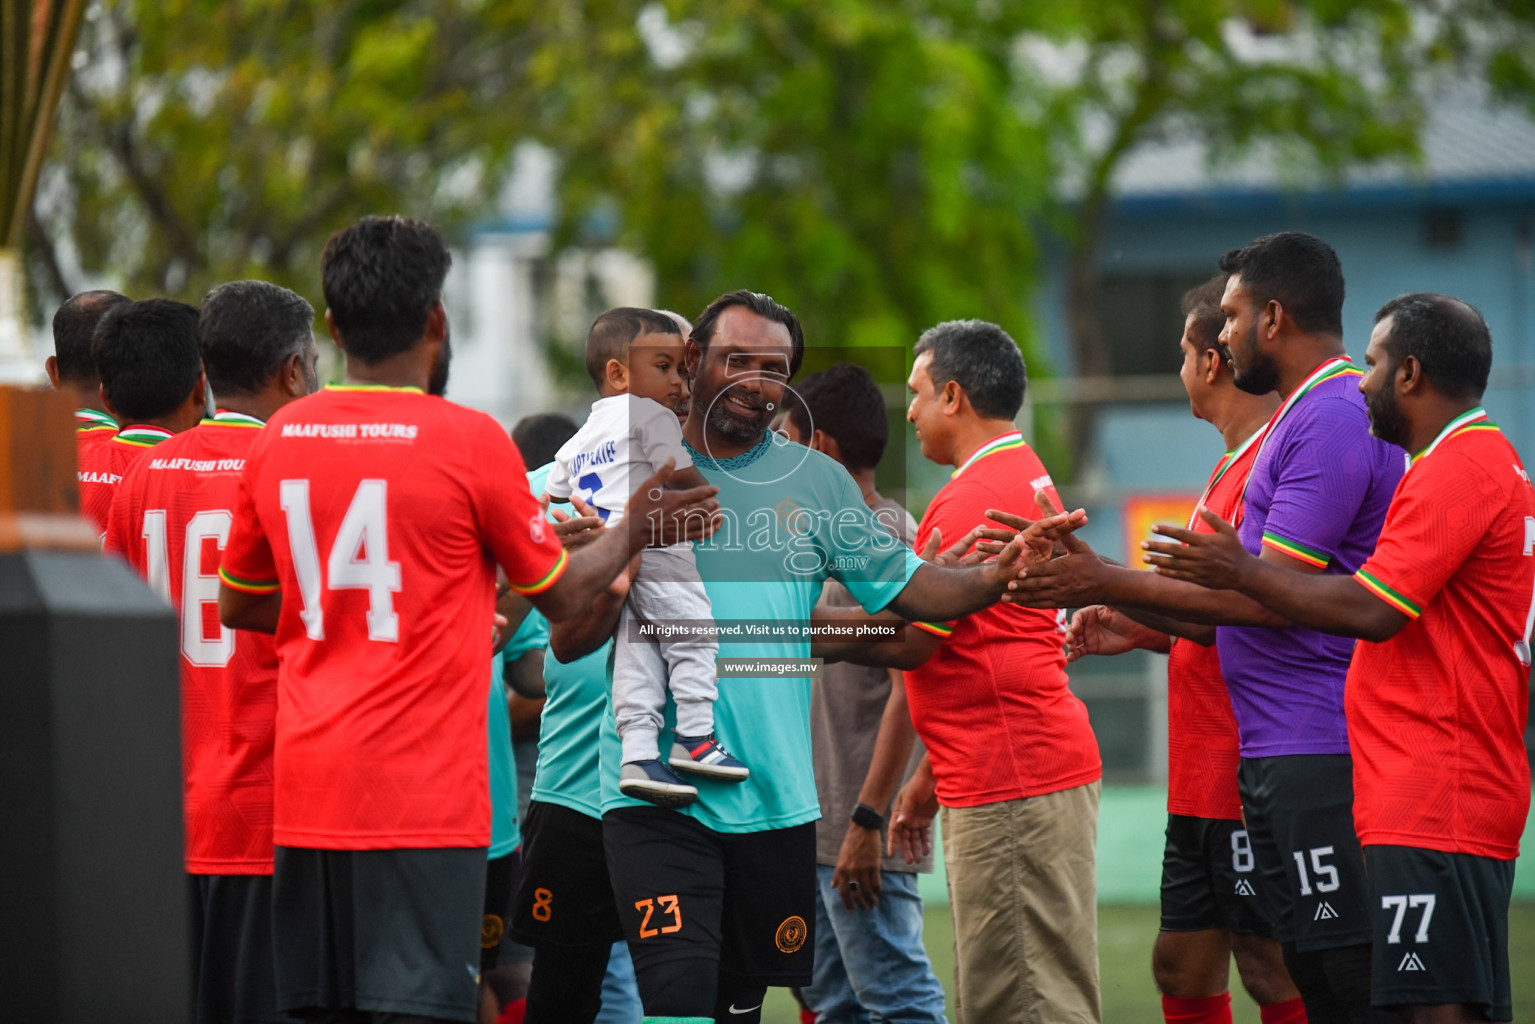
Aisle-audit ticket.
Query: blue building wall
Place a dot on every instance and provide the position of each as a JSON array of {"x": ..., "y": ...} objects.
[{"x": 1381, "y": 238}]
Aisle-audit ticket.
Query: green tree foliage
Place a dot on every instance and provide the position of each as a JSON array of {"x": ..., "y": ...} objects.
[
  {"x": 864, "y": 162},
  {"x": 206, "y": 140}
]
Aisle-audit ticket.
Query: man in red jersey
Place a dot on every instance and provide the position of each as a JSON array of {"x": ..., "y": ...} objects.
[
  {"x": 369, "y": 524},
  {"x": 170, "y": 518},
  {"x": 1209, "y": 886},
  {"x": 1011, "y": 756},
  {"x": 70, "y": 368},
  {"x": 152, "y": 380},
  {"x": 1437, "y": 692}
]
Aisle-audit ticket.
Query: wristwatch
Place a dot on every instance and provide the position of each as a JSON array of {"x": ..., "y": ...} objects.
[{"x": 867, "y": 817}]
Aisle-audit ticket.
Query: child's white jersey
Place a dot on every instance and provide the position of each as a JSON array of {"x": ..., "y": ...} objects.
[{"x": 623, "y": 441}]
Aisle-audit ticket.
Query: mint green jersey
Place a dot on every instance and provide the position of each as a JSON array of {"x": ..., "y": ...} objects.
[
  {"x": 505, "y": 834},
  {"x": 577, "y": 700},
  {"x": 793, "y": 517}
]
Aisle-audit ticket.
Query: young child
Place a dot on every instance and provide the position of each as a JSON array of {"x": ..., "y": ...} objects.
[{"x": 635, "y": 357}]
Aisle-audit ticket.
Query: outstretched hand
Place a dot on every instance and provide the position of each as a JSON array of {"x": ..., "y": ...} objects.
[
  {"x": 1214, "y": 560},
  {"x": 1099, "y": 629},
  {"x": 1067, "y": 580},
  {"x": 973, "y": 548}
]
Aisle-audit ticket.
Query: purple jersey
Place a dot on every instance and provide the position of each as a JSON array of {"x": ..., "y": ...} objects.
[{"x": 1318, "y": 492}]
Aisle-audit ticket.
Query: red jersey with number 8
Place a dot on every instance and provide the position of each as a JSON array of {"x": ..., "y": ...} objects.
[
  {"x": 170, "y": 519},
  {"x": 380, "y": 514},
  {"x": 1436, "y": 714}
]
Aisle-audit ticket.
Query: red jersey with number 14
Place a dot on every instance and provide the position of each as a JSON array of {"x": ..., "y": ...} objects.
[
  {"x": 1436, "y": 714},
  {"x": 1202, "y": 744},
  {"x": 170, "y": 518},
  {"x": 381, "y": 513}
]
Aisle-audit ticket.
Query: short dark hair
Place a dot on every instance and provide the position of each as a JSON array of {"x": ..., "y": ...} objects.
[
  {"x": 73, "y": 325},
  {"x": 983, "y": 359},
  {"x": 146, "y": 355},
  {"x": 538, "y": 437},
  {"x": 1203, "y": 303},
  {"x": 248, "y": 330},
  {"x": 844, "y": 401},
  {"x": 1448, "y": 338},
  {"x": 381, "y": 277},
  {"x": 764, "y": 306},
  {"x": 614, "y": 331},
  {"x": 1298, "y": 270}
]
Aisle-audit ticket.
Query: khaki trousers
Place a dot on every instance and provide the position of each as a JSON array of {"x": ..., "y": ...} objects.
[{"x": 1023, "y": 895}]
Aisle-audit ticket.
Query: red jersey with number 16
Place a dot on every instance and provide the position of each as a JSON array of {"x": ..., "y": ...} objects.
[
  {"x": 170, "y": 518},
  {"x": 1436, "y": 714},
  {"x": 1202, "y": 744},
  {"x": 381, "y": 513}
]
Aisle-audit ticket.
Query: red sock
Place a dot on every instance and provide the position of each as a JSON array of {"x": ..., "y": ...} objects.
[
  {"x": 1203, "y": 1010},
  {"x": 1291, "y": 1011},
  {"x": 513, "y": 1012}
]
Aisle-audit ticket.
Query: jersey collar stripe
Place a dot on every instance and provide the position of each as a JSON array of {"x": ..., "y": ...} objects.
[
  {"x": 549, "y": 578},
  {"x": 1394, "y": 598},
  {"x": 225, "y": 418},
  {"x": 1310, "y": 556},
  {"x": 87, "y": 427},
  {"x": 1339, "y": 366},
  {"x": 372, "y": 387},
  {"x": 935, "y": 628},
  {"x": 1470, "y": 419},
  {"x": 248, "y": 586},
  {"x": 142, "y": 436},
  {"x": 1002, "y": 443},
  {"x": 94, "y": 418}
]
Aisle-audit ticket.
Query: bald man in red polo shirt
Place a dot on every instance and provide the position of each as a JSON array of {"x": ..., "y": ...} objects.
[{"x": 1011, "y": 759}]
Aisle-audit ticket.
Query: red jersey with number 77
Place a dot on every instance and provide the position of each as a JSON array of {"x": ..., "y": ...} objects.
[
  {"x": 380, "y": 514},
  {"x": 170, "y": 518},
  {"x": 1436, "y": 714}
]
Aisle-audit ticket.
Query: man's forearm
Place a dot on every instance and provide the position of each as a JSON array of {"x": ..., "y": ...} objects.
[
  {"x": 1330, "y": 604},
  {"x": 912, "y": 648},
  {"x": 589, "y": 571},
  {"x": 1177, "y": 600},
  {"x": 579, "y": 636},
  {"x": 1199, "y": 632},
  {"x": 892, "y": 749},
  {"x": 937, "y": 594}
]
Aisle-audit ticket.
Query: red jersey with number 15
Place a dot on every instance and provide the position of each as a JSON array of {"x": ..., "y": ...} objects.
[
  {"x": 170, "y": 518},
  {"x": 1202, "y": 744},
  {"x": 381, "y": 513},
  {"x": 1436, "y": 714}
]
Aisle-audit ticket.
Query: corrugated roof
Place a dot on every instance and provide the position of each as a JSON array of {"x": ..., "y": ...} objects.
[{"x": 1467, "y": 139}]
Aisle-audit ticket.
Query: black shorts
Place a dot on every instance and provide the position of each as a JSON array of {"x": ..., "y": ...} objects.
[
  {"x": 1209, "y": 878},
  {"x": 234, "y": 967},
  {"x": 1441, "y": 929},
  {"x": 565, "y": 899},
  {"x": 497, "y": 948},
  {"x": 745, "y": 900},
  {"x": 387, "y": 931},
  {"x": 1299, "y": 811}
]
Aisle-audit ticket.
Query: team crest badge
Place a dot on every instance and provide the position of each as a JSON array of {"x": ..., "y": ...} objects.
[
  {"x": 536, "y": 528},
  {"x": 791, "y": 934},
  {"x": 490, "y": 931}
]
